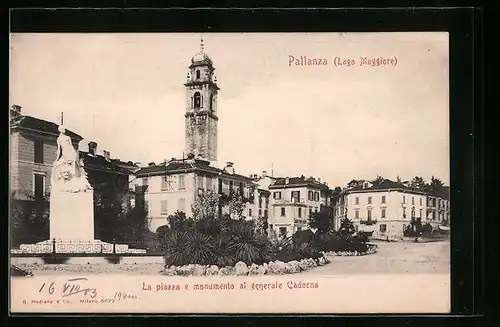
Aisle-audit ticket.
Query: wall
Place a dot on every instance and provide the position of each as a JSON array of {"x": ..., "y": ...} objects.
[
  {"x": 291, "y": 210},
  {"x": 154, "y": 195},
  {"x": 23, "y": 165}
]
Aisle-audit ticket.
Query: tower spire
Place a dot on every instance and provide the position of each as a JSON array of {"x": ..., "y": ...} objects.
[
  {"x": 62, "y": 118},
  {"x": 201, "y": 43}
]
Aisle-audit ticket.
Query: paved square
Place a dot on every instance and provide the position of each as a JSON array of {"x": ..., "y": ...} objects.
[{"x": 392, "y": 258}]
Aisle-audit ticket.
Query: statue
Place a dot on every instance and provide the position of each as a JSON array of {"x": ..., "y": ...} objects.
[{"x": 68, "y": 174}]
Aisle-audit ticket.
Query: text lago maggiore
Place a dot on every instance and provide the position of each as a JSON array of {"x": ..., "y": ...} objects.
[{"x": 298, "y": 61}]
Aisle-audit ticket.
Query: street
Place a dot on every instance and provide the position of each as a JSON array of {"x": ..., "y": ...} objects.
[{"x": 392, "y": 258}]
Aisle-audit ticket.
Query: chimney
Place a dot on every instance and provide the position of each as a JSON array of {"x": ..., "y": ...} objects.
[
  {"x": 106, "y": 155},
  {"x": 264, "y": 173},
  {"x": 151, "y": 164},
  {"x": 92, "y": 148},
  {"x": 15, "y": 110},
  {"x": 190, "y": 156},
  {"x": 319, "y": 179},
  {"x": 287, "y": 180}
]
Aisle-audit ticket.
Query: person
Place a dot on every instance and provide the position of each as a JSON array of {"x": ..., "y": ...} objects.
[
  {"x": 68, "y": 174},
  {"x": 66, "y": 153}
]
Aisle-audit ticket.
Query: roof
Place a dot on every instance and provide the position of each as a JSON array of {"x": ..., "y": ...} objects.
[
  {"x": 387, "y": 184},
  {"x": 188, "y": 165},
  {"x": 126, "y": 165},
  {"x": 43, "y": 126},
  {"x": 296, "y": 182},
  {"x": 98, "y": 162}
]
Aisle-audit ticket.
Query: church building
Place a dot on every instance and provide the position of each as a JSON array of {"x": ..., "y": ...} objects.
[{"x": 173, "y": 185}]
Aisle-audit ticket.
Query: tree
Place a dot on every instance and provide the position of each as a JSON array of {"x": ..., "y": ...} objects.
[
  {"x": 29, "y": 219},
  {"x": 205, "y": 205},
  {"x": 321, "y": 220},
  {"x": 436, "y": 185},
  {"x": 179, "y": 221},
  {"x": 337, "y": 191},
  {"x": 346, "y": 227},
  {"x": 418, "y": 182},
  {"x": 236, "y": 206}
]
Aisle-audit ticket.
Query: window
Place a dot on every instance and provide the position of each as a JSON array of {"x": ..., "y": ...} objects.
[
  {"x": 277, "y": 195},
  {"x": 146, "y": 206},
  {"x": 404, "y": 212},
  {"x": 310, "y": 211},
  {"x": 382, "y": 215},
  {"x": 421, "y": 213},
  {"x": 383, "y": 198},
  {"x": 283, "y": 231},
  {"x": 220, "y": 186},
  {"x": 197, "y": 74},
  {"x": 164, "y": 207},
  {"x": 266, "y": 201},
  {"x": 182, "y": 205},
  {"x": 166, "y": 183},
  {"x": 197, "y": 100},
  {"x": 265, "y": 213},
  {"x": 316, "y": 196},
  {"x": 413, "y": 212},
  {"x": 369, "y": 200},
  {"x": 369, "y": 214},
  {"x": 260, "y": 212},
  {"x": 413, "y": 200},
  {"x": 356, "y": 214},
  {"x": 250, "y": 212},
  {"x": 38, "y": 151},
  {"x": 383, "y": 228},
  {"x": 145, "y": 181},
  {"x": 404, "y": 199},
  {"x": 260, "y": 201},
  {"x": 231, "y": 187},
  {"x": 211, "y": 102},
  {"x": 201, "y": 182},
  {"x": 209, "y": 183},
  {"x": 296, "y": 196},
  {"x": 39, "y": 186},
  {"x": 282, "y": 212},
  {"x": 300, "y": 212},
  {"x": 182, "y": 182},
  {"x": 299, "y": 229},
  {"x": 421, "y": 201},
  {"x": 356, "y": 201},
  {"x": 316, "y": 210}
]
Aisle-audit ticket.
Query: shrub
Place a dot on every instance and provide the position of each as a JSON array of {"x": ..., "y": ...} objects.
[{"x": 210, "y": 243}]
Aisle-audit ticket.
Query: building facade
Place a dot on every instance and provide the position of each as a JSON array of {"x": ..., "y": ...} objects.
[
  {"x": 387, "y": 208},
  {"x": 293, "y": 201},
  {"x": 33, "y": 150},
  {"x": 173, "y": 186}
]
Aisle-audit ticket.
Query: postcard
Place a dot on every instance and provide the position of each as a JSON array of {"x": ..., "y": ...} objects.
[{"x": 185, "y": 173}]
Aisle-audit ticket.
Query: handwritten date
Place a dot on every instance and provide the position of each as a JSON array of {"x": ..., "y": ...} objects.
[{"x": 70, "y": 287}]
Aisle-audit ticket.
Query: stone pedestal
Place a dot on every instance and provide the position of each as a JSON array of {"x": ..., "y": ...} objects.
[{"x": 72, "y": 216}]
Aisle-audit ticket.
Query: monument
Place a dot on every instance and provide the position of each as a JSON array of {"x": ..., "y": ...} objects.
[{"x": 71, "y": 208}]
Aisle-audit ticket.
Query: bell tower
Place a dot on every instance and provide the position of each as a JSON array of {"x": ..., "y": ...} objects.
[{"x": 201, "y": 108}]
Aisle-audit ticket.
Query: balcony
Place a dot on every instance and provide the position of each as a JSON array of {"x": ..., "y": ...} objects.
[{"x": 368, "y": 222}]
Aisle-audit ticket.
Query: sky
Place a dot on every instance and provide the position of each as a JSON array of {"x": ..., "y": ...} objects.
[{"x": 125, "y": 92}]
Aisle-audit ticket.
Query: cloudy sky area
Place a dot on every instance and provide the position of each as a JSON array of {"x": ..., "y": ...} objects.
[{"x": 125, "y": 91}]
